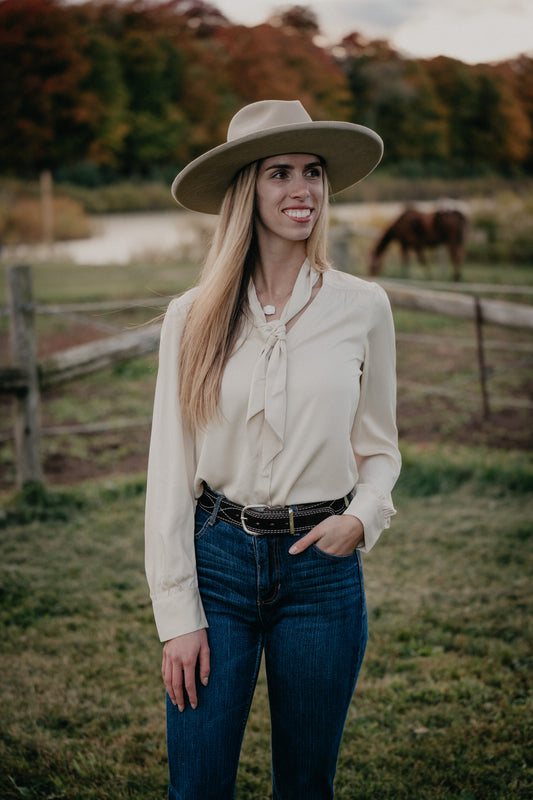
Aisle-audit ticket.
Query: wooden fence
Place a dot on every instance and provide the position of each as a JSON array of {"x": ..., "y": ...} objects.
[{"x": 26, "y": 375}]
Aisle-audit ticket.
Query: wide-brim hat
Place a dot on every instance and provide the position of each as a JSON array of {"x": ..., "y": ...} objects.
[{"x": 274, "y": 127}]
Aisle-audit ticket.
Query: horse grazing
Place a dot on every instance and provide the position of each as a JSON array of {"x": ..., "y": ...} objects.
[{"x": 416, "y": 230}]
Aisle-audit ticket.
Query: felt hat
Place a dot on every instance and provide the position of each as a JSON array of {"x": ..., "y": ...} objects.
[{"x": 274, "y": 127}]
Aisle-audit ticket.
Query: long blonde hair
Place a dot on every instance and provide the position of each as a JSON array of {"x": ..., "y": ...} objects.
[{"x": 217, "y": 313}]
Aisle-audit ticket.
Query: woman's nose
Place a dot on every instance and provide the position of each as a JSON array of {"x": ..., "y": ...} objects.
[{"x": 299, "y": 187}]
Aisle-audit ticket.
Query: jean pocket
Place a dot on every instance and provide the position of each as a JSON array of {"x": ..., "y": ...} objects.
[{"x": 347, "y": 557}]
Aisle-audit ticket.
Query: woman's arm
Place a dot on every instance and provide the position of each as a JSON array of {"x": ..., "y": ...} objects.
[
  {"x": 374, "y": 434},
  {"x": 170, "y": 501}
]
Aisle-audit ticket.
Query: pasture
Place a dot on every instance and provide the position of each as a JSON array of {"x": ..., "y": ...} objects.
[{"x": 443, "y": 706}]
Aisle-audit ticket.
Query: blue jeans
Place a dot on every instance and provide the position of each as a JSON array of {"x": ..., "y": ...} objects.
[{"x": 307, "y": 612}]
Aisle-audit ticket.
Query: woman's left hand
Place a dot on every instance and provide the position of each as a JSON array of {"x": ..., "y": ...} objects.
[{"x": 338, "y": 535}]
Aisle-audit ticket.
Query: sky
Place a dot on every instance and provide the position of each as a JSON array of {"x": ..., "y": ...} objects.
[{"x": 473, "y": 31}]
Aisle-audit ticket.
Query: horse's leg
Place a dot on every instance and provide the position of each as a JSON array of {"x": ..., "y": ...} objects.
[
  {"x": 456, "y": 257},
  {"x": 405, "y": 260},
  {"x": 421, "y": 255},
  {"x": 374, "y": 265}
]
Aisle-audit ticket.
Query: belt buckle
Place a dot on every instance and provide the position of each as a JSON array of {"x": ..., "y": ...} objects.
[
  {"x": 262, "y": 505},
  {"x": 243, "y": 521}
]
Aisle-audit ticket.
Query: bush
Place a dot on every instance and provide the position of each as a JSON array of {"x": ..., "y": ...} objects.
[
  {"x": 21, "y": 220},
  {"x": 502, "y": 231}
]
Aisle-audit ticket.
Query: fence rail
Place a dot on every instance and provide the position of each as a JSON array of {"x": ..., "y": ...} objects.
[
  {"x": 26, "y": 376},
  {"x": 465, "y": 306}
]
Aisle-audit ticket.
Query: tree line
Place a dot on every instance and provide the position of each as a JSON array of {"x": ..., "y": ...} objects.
[{"x": 110, "y": 89}]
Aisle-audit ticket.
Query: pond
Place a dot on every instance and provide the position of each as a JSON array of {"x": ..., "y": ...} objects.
[{"x": 142, "y": 236}]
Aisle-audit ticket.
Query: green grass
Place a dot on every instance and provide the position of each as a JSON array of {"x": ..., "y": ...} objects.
[{"x": 443, "y": 706}]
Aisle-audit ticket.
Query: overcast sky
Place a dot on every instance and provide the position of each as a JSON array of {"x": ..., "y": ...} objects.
[{"x": 470, "y": 30}]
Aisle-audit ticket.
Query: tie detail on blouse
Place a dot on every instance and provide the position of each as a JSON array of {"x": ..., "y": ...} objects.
[{"x": 267, "y": 404}]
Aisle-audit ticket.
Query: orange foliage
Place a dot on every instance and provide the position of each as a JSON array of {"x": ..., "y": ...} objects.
[{"x": 266, "y": 62}]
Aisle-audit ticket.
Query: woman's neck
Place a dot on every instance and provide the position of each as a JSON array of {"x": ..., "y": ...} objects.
[{"x": 275, "y": 273}]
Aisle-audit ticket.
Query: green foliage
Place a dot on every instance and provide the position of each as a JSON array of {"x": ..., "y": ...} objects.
[
  {"x": 129, "y": 86},
  {"x": 36, "y": 503},
  {"x": 437, "y": 471},
  {"x": 503, "y": 231}
]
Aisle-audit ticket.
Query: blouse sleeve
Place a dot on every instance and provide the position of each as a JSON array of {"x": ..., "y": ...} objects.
[
  {"x": 374, "y": 434},
  {"x": 170, "y": 501}
]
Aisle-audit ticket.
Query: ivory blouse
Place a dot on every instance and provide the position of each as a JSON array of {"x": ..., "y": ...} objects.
[{"x": 306, "y": 415}]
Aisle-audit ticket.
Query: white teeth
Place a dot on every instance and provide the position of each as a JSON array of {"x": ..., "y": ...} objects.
[{"x": 298, "y": 213}]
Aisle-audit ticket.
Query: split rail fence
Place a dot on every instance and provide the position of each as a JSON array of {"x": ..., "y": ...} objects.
[{"x": 27, "y": 376}]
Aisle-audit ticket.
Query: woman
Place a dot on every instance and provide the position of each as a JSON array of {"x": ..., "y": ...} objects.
[{"x": 272, "y": 459}]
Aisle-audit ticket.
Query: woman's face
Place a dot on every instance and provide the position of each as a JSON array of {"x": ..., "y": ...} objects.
[{"x": 289, "y": 194}]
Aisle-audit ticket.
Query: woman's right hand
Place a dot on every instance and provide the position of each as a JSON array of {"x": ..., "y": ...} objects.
[{"x": 180, "y": 656}]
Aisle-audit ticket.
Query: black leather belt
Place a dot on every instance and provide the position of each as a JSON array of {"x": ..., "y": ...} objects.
[{"x": 260, "y": 520}]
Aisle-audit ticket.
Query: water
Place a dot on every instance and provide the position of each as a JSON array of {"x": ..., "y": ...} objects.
[
  {"x": 142, "y": 236},
  {"x": 125, "y": 238}
]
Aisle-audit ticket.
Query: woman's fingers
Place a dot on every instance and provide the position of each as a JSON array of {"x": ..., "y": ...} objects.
[
  {"x": 181, "y": 656},
  {"x": 205, "y": 663},
  {"x": 306, "y": 541},
  {"x": 338, "y": 535}
]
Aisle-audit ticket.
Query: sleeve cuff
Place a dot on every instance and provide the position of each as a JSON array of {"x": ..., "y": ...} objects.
[
  {"x": 178, "y": 612},
  {"x": 374, "y": 509}
]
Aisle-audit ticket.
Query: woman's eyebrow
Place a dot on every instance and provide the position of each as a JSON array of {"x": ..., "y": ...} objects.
[{"x": 291, "y": 166}]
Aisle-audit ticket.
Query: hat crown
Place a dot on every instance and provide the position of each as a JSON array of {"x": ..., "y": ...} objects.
[{"x": 264, "y": 115}]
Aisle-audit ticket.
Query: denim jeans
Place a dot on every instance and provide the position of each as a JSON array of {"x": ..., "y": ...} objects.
[{"x": 307, "y": 613}]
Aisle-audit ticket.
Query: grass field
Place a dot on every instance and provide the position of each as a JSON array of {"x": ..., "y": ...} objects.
[{"x": 443, "y": 708}]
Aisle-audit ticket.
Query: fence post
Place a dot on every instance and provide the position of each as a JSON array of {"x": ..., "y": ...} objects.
[
  {"x": 24, "y": 355},
  {"x": 481, "y": 358}
]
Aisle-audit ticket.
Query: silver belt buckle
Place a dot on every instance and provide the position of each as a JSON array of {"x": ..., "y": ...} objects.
[
  {"x": 243, "y": 521},
  {"x": 261, "y": 505}
]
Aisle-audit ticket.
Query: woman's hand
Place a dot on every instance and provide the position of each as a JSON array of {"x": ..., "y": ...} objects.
[
  {"x": 180, "y": 657},
  {"x": 338, "y": 535}
]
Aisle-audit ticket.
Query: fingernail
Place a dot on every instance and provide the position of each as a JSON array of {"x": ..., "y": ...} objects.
[
  {"x": 181, "y": 708},
  {"x": 193, "y": 705},
  {"x": 293, "y": 549},
  {"x": 205, "y": 681}
]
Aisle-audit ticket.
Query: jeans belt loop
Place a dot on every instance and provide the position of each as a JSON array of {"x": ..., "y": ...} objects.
[{"x": 216, "y": 507}]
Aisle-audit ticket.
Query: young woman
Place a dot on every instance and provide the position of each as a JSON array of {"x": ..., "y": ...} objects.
[{"x": 272, "y": 460}]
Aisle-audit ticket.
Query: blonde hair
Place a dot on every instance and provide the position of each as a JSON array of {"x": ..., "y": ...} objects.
[{"x": 217, "y": 313}]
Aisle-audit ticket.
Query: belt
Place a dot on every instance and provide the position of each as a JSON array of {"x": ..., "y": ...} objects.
[{"x": 261, "y": 520}]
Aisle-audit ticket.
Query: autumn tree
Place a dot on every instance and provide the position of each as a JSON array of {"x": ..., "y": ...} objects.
[
  {"x": 297, "y": 19},
  {"x": 47, "y": 111},
  {"x": 516, "y": 76},
  {"x": 137, "y": 85},
  {"x": 396, "y": 97},
  {"x": 266, "y": 62},
  {"x": 487, "y": 126}
]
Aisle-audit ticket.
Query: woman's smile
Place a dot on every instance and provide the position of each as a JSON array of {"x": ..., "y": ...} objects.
[{"x": 298, "y": 214}]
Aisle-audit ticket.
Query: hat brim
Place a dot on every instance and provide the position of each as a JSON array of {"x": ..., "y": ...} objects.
[{"x": 350, "y": 153}]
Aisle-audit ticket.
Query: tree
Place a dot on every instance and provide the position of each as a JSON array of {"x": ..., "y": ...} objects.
[
  {"x": 265, "y": 62},
  {"x": 396, "y": 97},
  {"x": 487, "y": 126},
  {"x": 47, "y": 113},
  {"x": 300, "y": 20}
]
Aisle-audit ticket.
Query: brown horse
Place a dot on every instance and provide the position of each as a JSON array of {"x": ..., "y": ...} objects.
[{"x": 416, "y": 230}]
